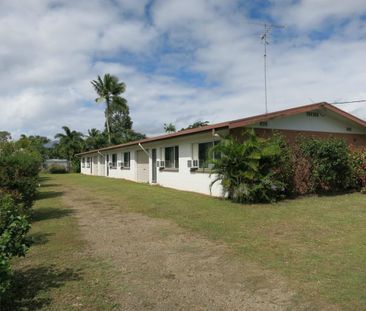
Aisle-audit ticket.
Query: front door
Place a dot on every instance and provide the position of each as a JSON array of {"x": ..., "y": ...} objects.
[
  {"x": 142, "y": 166},
  {"x": 154, "y": 170}
]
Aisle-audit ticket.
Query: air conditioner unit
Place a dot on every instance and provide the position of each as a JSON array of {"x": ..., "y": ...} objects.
[
  {"x": 162, "y": 164},
  {"x": 195, "y": 164}
]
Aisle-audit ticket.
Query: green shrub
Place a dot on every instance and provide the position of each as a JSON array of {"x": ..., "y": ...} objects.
[
  {"x": 19, "y": 170},
  {"x": 358, "y": 166},
  {"x": 329, "y": 159},
  {"x": 302, "y": 173},
  {"x": 13, "y": 242},
  {"x": 266, "y": 170},
  {"x": 257, "y": 170},
  {"x": 57, "y": 169},
  {"x": 75, "y": 165}
]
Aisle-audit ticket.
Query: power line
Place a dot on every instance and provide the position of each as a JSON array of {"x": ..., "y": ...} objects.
[{"x": 350, "y": 102}]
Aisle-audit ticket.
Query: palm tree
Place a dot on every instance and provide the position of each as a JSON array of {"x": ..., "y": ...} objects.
[
  {"x": 71, "y": 142},
  {"x": 108, "y": 89},
  {"x": 169, "y": 128},
  {"x": 96, "y": 139}
]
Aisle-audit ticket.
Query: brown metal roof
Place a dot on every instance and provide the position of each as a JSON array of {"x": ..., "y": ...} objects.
[
  {"x": 164, "y": 137},
  {"x": 240, "y": 123}
]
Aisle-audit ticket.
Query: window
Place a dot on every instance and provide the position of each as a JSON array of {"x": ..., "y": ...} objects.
[
  {"x": 88, "y": 162},
  {"x": 126, "y": 159},
  {"x": 204, "y": 154},
  {"x": 172, "y": 157},
  {"x": 83, "y": 162},
  {"x": 114, "y": 160}
]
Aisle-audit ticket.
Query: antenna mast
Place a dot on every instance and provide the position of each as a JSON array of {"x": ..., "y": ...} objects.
[{"x": 265, "y": 41}]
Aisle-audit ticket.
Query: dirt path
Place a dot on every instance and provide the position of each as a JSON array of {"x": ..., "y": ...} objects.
[{"x": 163, "y": 267}]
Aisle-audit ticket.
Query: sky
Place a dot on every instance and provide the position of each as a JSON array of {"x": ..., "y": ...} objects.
[{"x": 182, "y": 61}]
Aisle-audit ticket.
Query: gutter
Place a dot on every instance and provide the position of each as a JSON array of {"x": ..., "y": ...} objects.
[{"x": 143, "y": 149}]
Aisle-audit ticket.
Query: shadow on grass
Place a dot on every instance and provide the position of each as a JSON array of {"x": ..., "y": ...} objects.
[
  {"x": 40, "y": 238},
  {"x": 44, "y": 178},
  {"x": 30, "y": 286},
  {"x": 49, "y": 185},
  {"x": 47, "y": 213},
  {"x": 49, "y": 195}
]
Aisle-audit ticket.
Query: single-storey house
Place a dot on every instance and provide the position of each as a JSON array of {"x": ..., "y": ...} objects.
[{"x": 180, "y": 160}]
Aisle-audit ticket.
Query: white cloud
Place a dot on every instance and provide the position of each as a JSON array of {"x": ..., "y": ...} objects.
[
  {"x": 182, "y": 61},
  {"x": 311, "y": 14}
]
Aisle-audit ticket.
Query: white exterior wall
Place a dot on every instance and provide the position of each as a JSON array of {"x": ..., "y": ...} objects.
[
  {"x": 327, "y": 121},
  {"x": 124, "y": 173},
  {"x": 86, "y": 170},
  {"x": 185, "y": 178},
  {"x": 182, "y": 179}
]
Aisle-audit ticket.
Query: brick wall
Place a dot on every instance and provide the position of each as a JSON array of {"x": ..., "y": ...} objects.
[{"x": 355, "y": 141}]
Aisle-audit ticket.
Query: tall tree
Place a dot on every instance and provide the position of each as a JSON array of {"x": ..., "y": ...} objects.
[
  {"x": 196, "y": 124},
  {"x": 108, "y": 89},
  {"x": 4, "y": 136},
  {"x": 34, "y": 142},
  {"x": 120, "y": 119},
  {"x": 169, "y": 128},
  {"x": 71, "y": 142},
  {"x": 95, "y": 139}
]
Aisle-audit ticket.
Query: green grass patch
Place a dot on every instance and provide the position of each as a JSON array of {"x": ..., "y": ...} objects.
[
  {"x": 318, "y": 243},
  {"x": 57, "y": 273}
]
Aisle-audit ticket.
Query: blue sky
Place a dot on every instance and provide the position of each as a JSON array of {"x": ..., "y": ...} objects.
[{"x": 182, "y": 61}]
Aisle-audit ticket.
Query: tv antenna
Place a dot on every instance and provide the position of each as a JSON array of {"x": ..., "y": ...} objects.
[{"x": 265, "y": 40}]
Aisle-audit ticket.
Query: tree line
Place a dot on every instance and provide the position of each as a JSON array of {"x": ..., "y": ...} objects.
[{"x": 118, "y": 127}]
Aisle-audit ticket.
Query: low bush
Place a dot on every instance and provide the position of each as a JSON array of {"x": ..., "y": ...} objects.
[
  {"x": 330, "y": 164},
  {"x": 267, "y": 170},
  {"x": 57, "y": 169},
  {"x": 13, "y": 242},
  {"x": 19, "y": 170},
  {"x": 302, "y": 176},
  {"x": 358, "y": 166}
]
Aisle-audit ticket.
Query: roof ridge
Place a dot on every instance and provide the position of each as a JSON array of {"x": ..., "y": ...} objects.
[{"x": 239, "y": 123}]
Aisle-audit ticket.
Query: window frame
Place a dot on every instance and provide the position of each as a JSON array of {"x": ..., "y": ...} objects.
[
  {"x": 175, "y": 158},
  {"x": 124, "y": 160},
  {"x": 203, "y": 164},
  {"x": 114, "y": 163}
]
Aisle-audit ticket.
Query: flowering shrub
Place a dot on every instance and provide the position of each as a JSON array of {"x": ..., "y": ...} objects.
[
  {"x": 330, "y": 164},
  {"x": 267, "y": 170},
  {"x": 358, "y": 164}
]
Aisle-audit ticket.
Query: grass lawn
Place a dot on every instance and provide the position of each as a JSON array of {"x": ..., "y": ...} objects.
[
  {"x": 57, "y": 273},
  {"x": 317, "y": 243}
]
